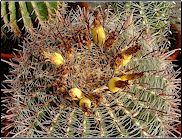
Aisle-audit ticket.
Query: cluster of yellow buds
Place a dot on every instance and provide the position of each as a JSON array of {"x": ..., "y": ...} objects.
[
  {"x": 99, "y": 38},
  {"x": 84, "y": 103}
]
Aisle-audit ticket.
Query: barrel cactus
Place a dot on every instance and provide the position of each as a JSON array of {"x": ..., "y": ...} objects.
[
  {"x": 95, "y": 74},
  {"x": 17, "y": 16}
]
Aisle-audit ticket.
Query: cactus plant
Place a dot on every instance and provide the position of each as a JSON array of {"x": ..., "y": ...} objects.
[
  {"x": 123, "y": 87},
  {"x": 23, "y": 15}
]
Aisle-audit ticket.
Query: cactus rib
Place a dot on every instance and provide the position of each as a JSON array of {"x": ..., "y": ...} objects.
[
  {"x": 13, "y": 19},
  {"x": 26, "y": 16}
]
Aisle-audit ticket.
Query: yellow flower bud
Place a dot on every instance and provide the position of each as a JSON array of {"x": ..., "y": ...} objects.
[
  {"x": 55, "y": 58},
  {"x": 126, "y": 59},
  {"x": 99, "y": 36},
  {"x": 75, "y": 93},
  {"x": 127, "y": 54},
  {"x": 111, "y": 84},
  {"x": 85, "y": 102},
  {"x": 58, "y": 59},
  {"x": 122, "y": 60}
]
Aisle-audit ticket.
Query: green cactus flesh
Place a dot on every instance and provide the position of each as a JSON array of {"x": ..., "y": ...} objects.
[
  {"x": 40, "y": 10},
  {"x": 13, "y": 23},
  {"x": 4, "y": 13},
  {"x": 31, "y": 12},
  {"x": 40, "y": 103}
]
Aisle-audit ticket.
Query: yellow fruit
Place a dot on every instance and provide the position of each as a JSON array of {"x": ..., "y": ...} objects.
[
  {"x": 75, "y": 93},
  {"x": 58, "y": 59},
  {"x": 99, "y": 36},
  {"x": 111, "y": 84},
  {"x": 55, "y": 58},
  {"x": 85, "y": 102}
]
